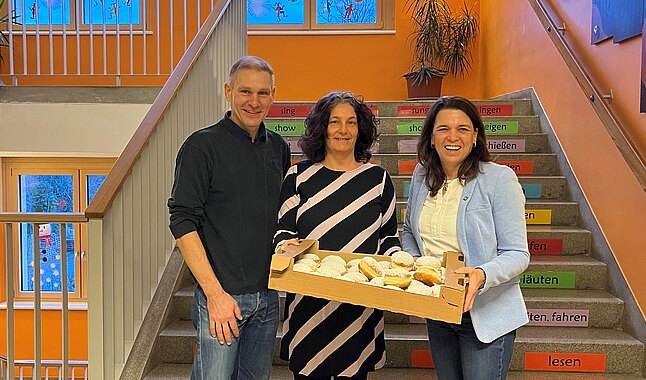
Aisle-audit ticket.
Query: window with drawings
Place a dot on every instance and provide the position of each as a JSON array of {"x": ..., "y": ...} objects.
[
  {"x": 68, "y": 13},
  {"x": 51, "y": 186},
  {"x": 277, "y": 15}
]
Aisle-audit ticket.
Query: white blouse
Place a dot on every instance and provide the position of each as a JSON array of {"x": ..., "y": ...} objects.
[{"x": 438, "y": 220}]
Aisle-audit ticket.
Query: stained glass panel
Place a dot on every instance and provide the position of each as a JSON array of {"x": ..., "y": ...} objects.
[
  {"x": 46, "y": 193},
  {"x": 346, "y": 12},
  {"x": 108, "y": 11},
  {"x": 276, "y": 12},
  {"x": 33, "y": 12}
]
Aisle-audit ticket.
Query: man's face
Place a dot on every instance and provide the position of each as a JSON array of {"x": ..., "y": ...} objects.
[{"x": 250, "y": 94}]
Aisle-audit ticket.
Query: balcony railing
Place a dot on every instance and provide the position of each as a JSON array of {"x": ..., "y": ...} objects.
[
  {"x": 102, "y": 42},
  {"x": 10, "y": 366}
]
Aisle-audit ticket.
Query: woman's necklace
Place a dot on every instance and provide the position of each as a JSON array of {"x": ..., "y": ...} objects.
[{"x": 445, "y": 186}]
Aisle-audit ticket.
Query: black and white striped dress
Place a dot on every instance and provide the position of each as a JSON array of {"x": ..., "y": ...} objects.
[{"x": 352, "y": 211}]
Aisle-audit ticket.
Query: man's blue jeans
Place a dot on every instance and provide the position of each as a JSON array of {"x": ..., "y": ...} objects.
[
  {"x": 459, "y": 355},
  {"x": 250, "y": 355}
]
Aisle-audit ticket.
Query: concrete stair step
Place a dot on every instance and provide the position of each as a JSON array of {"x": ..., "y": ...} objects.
[
  {"x": 624, "y": 354},
  {"x": 538, "y": 211},
  {"x": 488, "y": 108},
  {"x": 494, "y": 125},
  {"x": 410, "y": 127},
  {"x": 574, "y": 240},
  {"x": 558, "y": 272},
  {"x": 535, "y": 187},
  {"x": 603, "y": 309},
  {"x": 403, "y": 339},
  {"x": 522, "y": 143},
  {"x": 183, "y": 372},
  {"x": 563, "y": 213},
  {"x": 542, "y": 164}
]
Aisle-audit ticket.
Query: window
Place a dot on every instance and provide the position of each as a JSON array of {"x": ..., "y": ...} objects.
[
  {"x": 92, "y": 12},
  {"x": 57, "y": 186},
  {"x": 274, "y": 15}
]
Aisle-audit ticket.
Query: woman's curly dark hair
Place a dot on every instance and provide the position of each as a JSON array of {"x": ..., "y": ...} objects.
[
  {"x": 313, "y": 140},
  {"x": 427, "y": 155}
]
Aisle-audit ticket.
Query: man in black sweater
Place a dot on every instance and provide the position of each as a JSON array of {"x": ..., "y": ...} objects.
[{"x": 223, "y": 212}]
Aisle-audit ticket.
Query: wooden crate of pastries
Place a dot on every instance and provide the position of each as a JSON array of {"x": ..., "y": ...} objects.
[{"x": 443, "y": 302}]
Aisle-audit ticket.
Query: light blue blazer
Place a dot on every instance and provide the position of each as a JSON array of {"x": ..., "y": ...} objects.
[{"x": 492, "y": 235}]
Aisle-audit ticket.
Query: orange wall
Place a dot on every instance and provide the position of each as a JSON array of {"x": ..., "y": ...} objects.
[
  {"x": 370, "y": 65},
  {"x": 51, "y": 334},
  {"x": 519, "y": 54}
]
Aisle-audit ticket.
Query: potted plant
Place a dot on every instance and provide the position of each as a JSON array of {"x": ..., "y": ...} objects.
[{"x": 441, "y": 45}]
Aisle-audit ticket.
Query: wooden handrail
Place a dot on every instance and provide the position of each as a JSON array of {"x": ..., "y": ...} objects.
[
  {"x": 636, "y": 161},
  {"x": 126, "y": 161},
  {"x": 42, "y": 217}
]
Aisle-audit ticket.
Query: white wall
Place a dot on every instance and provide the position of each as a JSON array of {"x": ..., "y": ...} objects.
[{"x": 67, "y": 129}]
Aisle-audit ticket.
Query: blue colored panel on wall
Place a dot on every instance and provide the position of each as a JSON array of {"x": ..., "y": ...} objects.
[
  {"x": 98, "y": 12},
  {"x": 620, "y": 19}
]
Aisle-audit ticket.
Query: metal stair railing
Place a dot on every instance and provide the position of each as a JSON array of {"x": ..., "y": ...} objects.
[{"x": 635, "y": 159}]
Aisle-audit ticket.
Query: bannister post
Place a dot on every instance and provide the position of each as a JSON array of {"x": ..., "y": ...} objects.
[{"x": 95, "y": 299}]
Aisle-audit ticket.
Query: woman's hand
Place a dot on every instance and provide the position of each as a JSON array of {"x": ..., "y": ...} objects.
[
  {"x": 286, "y": 243},
  {"x": 476, "y": 278}
]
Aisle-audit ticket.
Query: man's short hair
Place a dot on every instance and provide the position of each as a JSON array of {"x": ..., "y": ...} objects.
[{"x": 250, "y": 62}]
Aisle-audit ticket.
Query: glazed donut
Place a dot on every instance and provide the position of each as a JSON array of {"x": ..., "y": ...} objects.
[
  {"x": 428, "y": 276},
  {"x": 428, "y": 261},
  {"x": 300, "y": 267},
  {"x": 309, "y": 262},
  {"x": 311, "y": 256},
  {"x": 377, "y": 281},
  {"x": 333, "y": 258},
  {"x": 398, "y": 277},
  {"x": 353, "y": 263},
  {"x": 402, "y": 259},
  {"x": 331, "y": 269},
  {"x": 371, "y": 268},
  {"x": 355, "y": 277}
]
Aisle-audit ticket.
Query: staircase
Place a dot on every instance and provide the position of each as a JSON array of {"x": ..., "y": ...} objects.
[{"x": 576, "y": 325}]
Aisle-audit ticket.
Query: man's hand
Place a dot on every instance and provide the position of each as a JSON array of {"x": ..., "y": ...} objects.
[
  {"x": 476, "y": 280},
  {"x": 223, "y": 315}
]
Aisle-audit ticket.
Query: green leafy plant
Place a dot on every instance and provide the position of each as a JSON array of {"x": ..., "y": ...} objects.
[{"x": 442, "y": 39}]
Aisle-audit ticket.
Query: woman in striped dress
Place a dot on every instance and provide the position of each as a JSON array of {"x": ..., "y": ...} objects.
[{"x": 348, "y": 205}]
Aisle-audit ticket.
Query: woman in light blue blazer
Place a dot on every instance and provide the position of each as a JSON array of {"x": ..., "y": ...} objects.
[{"x": 461, "y": 201}]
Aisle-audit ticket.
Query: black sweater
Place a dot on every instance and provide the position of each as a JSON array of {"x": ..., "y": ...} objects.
[{"x": 227, "y": 189}]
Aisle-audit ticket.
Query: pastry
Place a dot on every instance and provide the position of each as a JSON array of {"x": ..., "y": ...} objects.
[
  {"x": 371, "y": 268},
  {"x": 397, "y": 276},
  {"x": 352, "y": 263},
  {"x": 385, "y": 264},
  {"x": 402, "y": 259},
  {"x": 428, "y": 261},
  {"x": 309, "y": 262},
  {"x": 356, "y": 277},
  {"x": 331, "y": 269},
  {"x": 420, "y": 289},
  {"x": 333, "y": 258},
  {"x": 393, "y": 287},
  {"x": 300, "y": 267},
  {"x": 428, "y": 276},
  {"x": 377, "y": 281},
  {"x": 312, "y": 256}
]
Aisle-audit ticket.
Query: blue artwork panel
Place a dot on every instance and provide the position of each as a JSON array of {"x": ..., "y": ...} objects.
[
  {"x": 93, "y": 182},
  {"x": 46, "y": 193},
  {"x": 346, "y": 12},
  {"x": 42, "y": 12},
  {"x": 109, "y": 11},
  {"x": 275, "y": 12}
]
